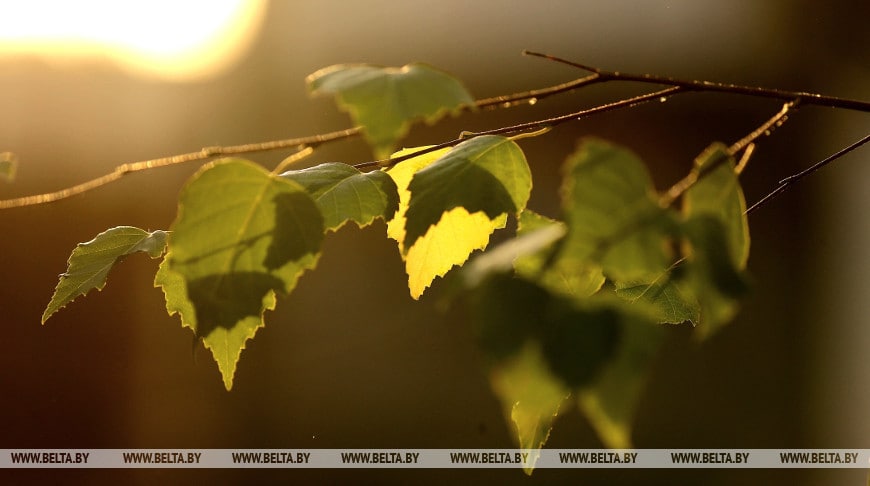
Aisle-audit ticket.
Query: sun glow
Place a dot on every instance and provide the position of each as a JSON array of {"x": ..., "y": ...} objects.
[{"x": 170, "y": 39}]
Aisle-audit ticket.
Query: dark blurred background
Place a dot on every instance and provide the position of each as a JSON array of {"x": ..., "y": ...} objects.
[{"x": 349, "y": 360}]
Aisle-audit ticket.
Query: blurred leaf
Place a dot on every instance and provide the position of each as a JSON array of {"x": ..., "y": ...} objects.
[
  {"x": 718, "y": 194},
  {"x": 524, "y": 252},
  {"x": 90, "y": 262},
  {"x": 346, "y": 194},
  {"x": 241, "y": 236},
  {"x": 613, "y": 214},
  {"x": 575, "y": 340},
  {"x": 530, "y": 397},
  {"x": 610, "y": 402},
  {"x": 8, "y": 165},
  {"x": 539, "y": 346},
  {"x": 559, "y": 272},
  {"x": 508, "y": 315},
  {"x": 712, "y": 274},
  {"x": 386, "y": 100},
  {"x": 717, "y": 230}
]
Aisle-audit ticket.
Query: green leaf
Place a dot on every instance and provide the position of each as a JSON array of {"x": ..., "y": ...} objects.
[
  {"x": 559, "y": 272},
  {"x": 712, "y": 275},
  {"x": 575, "y": 340},
  {"x": 508, "y": 315},
  {"x": 539, "y": 346},
  {"x": 530, "y": 397},
  {"x": 90, "y": 262},
  {"x": 718, "y": 194},
  {"x": 611, "y": 400},
  {"x": 346, "y": 194},
  {"x": 385, "y": 101},
  {"x": 241, "y": 236},
  {"x": 613, "y": 214},
  {"x": 8, "y": 165},
  {"x": 486, "y": 174},
  {"x": 669, "y": 301}
]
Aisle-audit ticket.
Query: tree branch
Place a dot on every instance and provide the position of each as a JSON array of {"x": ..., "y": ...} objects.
[
  {"x": 203, "y": 154},
  {"x": 779, "y": 94},
  {"x": 597, "y": 76},
  {"x": 746, "y": 143},
  {"x": 530, "y": 126}
]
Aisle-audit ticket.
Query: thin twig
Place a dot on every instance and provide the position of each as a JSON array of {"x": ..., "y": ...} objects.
[
  {"x": 766, "y": 128},
  {"x": 507, "y": 101},
  {"x": 530, "y": 126},
  {"x": 684, "y": 184},
  {"x": 792, "y": 179},
  {"x": 780, "y": 94},
  {"x": 203, "y": 154}
]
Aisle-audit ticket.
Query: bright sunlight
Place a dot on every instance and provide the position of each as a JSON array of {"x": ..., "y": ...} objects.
[{"x": 168, "y": 39}]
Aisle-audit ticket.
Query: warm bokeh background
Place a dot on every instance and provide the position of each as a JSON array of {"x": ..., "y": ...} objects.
[{"x": 349, "y": 360}]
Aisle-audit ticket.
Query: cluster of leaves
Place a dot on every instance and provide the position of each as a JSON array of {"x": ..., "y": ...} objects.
[{"x": 567, "y": 311}]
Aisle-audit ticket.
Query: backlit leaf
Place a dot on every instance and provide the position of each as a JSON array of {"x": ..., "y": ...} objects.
[
  {"x": 241, "y": 236},
  {"x": 90, "y": 262},
  {"x": 446, "y": 203},
  {"x": 486, "y": 174},
  {"x": 613, "y": 214},
  {"x": 346, "y": 194},
  {"x": 386, "y": 100}
]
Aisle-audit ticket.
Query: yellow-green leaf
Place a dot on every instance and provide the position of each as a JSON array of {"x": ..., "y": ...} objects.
[
  {"x": 241, "y": 236},
  {"x": 486, "y": 174},
  {"x": 90, "y": 262},
  {"x": 454, "y": 227},
  {"x": 385, "y": 101}
]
